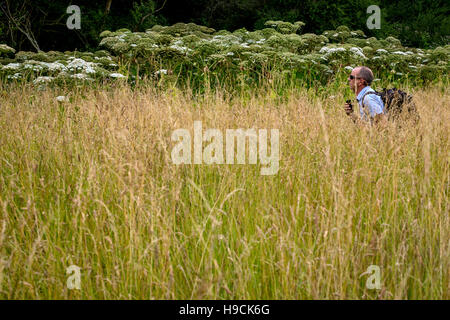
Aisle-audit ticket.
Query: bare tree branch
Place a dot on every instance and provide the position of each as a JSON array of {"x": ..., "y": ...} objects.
[
  {"x": 152, "y": 13},
  {"x": 21, "y": 20},
  {"x": 157, "y": 10},
  {"x": 108, "y": 6}
]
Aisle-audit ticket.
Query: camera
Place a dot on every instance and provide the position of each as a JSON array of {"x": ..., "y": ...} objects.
[{"x": 351, "y": 106}]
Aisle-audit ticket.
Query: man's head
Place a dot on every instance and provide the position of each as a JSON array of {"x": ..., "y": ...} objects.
[{"x": 360, "y": 78}]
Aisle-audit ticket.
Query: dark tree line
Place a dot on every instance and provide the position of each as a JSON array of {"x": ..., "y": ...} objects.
[{"x": 41, "y": 24}]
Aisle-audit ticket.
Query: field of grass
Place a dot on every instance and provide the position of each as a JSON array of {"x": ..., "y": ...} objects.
[{"x": 90, "y": 182}]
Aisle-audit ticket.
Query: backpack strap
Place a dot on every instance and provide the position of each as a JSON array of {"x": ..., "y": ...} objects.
[{"x": 364, "y": 96}]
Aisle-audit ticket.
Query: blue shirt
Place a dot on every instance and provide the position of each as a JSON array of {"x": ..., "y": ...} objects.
[{"x": 373, "y": 104}]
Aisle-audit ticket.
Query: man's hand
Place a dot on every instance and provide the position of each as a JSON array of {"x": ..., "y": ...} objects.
[{"x": 348, "y": 108}]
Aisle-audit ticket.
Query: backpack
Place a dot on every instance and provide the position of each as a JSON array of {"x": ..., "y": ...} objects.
[{"x": 396, "y": 102}]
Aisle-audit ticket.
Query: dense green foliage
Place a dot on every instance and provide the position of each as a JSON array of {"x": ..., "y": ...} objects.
[
  {"x": 46, "y": 19},
  {"x": 202, "y": 58}
]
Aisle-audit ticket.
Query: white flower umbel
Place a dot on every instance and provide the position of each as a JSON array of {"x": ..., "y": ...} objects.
[
  {"x": 117, "y": 75},
  {"x": 54, "y": 66},
  {"x": 81, "y": 76},
  {"x": 162, "y": 71},
  {"x": 42, "y": 79},
  {"x": 15, "y": 76},
  {"x": 61, "y": 99},
  {"x": 11, "y": 66},
  {"x": 328, "y": 50},
  {"x": 358, "y": 51},
  {"x": 33, "y": 65},
  {"x": 180, "y": 48},
  {"x": 78, "y": 64}
]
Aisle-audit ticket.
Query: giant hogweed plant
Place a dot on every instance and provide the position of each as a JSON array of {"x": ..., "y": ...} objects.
[{"x": 200, "y": 55}]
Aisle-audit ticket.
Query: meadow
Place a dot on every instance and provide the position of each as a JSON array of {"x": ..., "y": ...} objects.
[{"x": 89, "y": 181}]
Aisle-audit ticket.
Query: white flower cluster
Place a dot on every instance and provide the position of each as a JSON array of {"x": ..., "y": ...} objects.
[
  {"x": 47, "y": 67},
  {"x": 358, "y": 52},
  {"x": 117, "y": 75},
  {"x": 62, "y": 99},
  {"x": 77, "y": 64},
  {"x": 162, "y": 71},
  {"x": 42, "y": 79}
]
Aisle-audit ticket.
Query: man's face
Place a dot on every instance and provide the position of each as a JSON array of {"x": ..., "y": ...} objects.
[{"x": 356, "y": 82}]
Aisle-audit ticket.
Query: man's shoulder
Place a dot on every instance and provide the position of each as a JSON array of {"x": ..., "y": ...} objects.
[
  {"x": 373, "y": 101},
  {"x": 371, "y": 91},
  {"x": 371, "y": 94},
  {"x": 364, "y": 92}
]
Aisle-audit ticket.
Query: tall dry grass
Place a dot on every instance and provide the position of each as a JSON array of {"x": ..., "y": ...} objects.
[{"x": 91, "y": 183}]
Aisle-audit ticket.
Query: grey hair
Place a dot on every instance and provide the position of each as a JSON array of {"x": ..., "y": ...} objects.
[{"x": 366, "y": 74}]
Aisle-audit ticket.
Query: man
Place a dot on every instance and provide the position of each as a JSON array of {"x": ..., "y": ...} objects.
[{"x": 371, "y": 107}]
